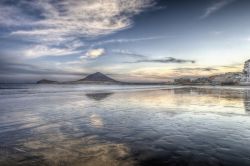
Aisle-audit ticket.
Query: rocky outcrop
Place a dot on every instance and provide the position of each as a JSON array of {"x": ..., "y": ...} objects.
[
  {"x": 246, "y": 70},
  {"x": 183, "y": 81},
  {"x": 226, "y": 79},
  {"x": 44, "y": 81},
  {"x": 233, "y": 78},
  {"x": 202, "y": 81},
  {"x": 222, "y": 79},
  {"x": 245, "y": 80}
]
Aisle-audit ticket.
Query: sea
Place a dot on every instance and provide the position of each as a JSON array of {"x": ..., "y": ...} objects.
[{"x": 124, "y": 125}]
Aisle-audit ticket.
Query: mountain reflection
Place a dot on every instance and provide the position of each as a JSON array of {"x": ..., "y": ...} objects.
[{"x": 98, "y": 96}]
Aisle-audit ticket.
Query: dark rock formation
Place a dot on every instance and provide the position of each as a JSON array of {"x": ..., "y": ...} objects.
[
  {"x": 221, "y": 79},
  {"x": 246, "y": 70},
  {"x": 233, "y": 78},
  {"x": 226, "y": 79},
  {"x": 245, "y": 80},
  {"x": 183, "y": 81},
  {"x": 202, "y": 81},
  {"x": 44, "y": 81}
]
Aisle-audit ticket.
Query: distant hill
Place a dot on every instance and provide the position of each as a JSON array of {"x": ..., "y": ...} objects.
[
  {"x": 97, "y": 78},
  {"x": 44, "y": 81}
]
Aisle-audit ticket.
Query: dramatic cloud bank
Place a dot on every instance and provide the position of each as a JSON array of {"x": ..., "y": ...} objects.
[
  {"x": 62, "y": 19},
  {"x": 155, "y": 39}
]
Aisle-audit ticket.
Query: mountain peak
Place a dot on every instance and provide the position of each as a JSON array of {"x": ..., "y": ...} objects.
[
  {"x": 98, "y": 77},
  {"x": 98, "y": 73}
]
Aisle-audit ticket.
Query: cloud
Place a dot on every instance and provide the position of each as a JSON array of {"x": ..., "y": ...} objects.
[
  {"x": 234, "y": 66},
  {"x": 206, "y": 69},
  {"x": 12, "y": 16},
  {"x": 19, "y": 69},
  {"x": 128, "y": 53},
  {"x": 166, "y": 60},
  {"x": 88, "y": 18},
  {"x": 43, "y": 50},
  {"x": 131, "y": 40},
  {"x": 94, "y": 53},
  {"x": 216, "y": 7},
  {"x": 56, "y": 27},
  {"x": 9, "y": 68}
]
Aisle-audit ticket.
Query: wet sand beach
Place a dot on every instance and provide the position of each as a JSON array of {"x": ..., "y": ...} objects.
[{"x": 123, "y": 125}]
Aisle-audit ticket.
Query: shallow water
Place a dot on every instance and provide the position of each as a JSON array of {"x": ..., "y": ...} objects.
[{"x": 124, "y": 125}]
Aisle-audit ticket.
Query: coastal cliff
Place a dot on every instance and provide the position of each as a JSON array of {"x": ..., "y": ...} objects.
[{"x": 245, "y": 80}]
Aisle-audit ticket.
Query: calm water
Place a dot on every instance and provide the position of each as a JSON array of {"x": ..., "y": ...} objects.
[{"x": 80, "y": 125}]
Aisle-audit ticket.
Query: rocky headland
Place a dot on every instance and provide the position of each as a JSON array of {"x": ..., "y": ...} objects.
[{"x": 232, "y": 78}]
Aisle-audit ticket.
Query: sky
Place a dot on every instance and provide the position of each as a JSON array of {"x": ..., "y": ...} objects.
[{"x": 135, "y": 40}]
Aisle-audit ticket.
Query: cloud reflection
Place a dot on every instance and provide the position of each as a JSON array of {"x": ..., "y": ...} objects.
[{"x": 96, "y": 121}]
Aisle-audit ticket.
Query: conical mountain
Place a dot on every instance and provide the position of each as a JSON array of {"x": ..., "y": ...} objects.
[{"x": 97, "y": 77}]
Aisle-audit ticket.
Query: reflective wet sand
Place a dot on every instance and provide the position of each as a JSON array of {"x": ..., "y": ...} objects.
[{"x": 177, "y": 126}]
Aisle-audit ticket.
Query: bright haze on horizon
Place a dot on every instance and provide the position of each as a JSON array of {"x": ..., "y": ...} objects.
[{"x": 135, "y": 40}]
